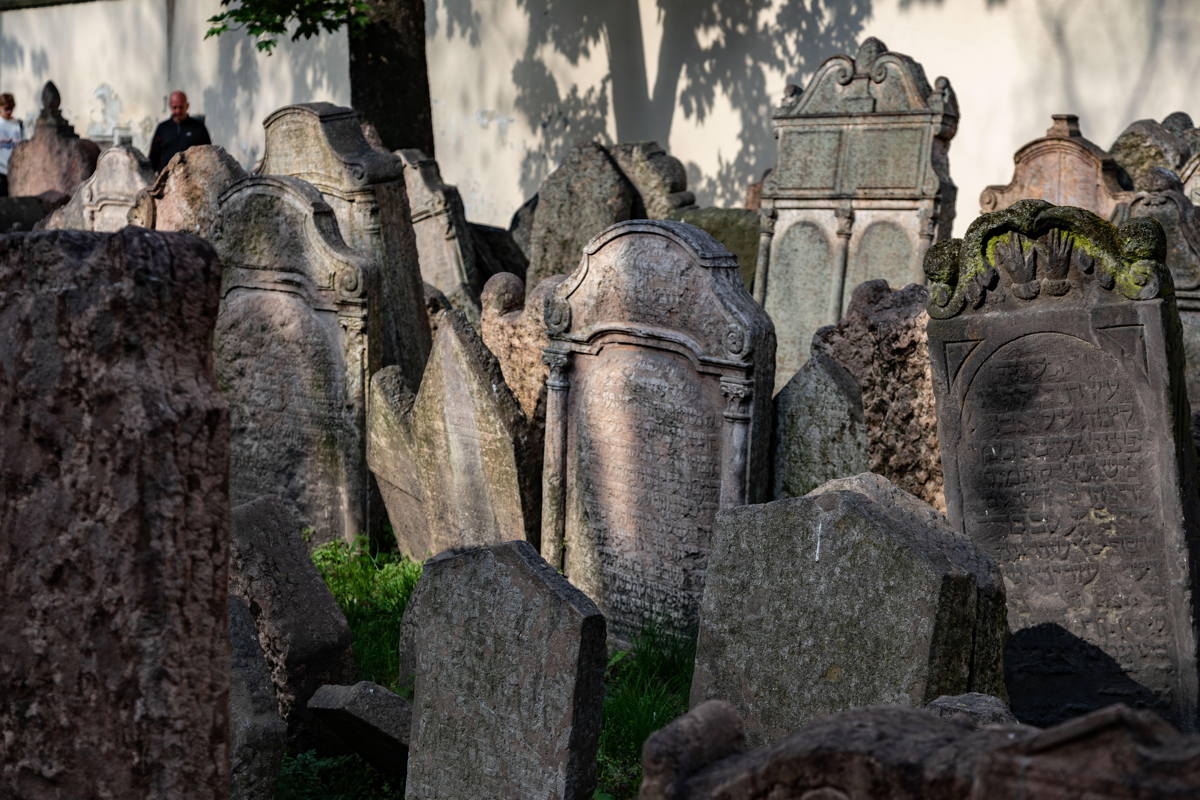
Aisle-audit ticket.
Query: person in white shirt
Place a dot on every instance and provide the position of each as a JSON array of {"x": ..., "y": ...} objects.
[{"x": 11, "y": 132}]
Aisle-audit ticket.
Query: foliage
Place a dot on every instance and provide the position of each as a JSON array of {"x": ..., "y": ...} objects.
[
  {"x": 646, "y": 687},
  {"x": 372, "y": 590},
  {"x": 306, "y": 776},
  {"x": 266, "y": 20}
]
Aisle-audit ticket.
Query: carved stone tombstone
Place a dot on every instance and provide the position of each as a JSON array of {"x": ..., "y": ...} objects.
[
  {"x": 861, "y": 189},
  {"x": 324, "y": 145},
  {"x": 295, "y": 341},
  {"x": 185, "y": 195},
  {"x": 1064, "y": 430},
  {"x": 657, "y": 414},
  {"x": 54, "y": 159},
  {"x": 103, "y": 201}
]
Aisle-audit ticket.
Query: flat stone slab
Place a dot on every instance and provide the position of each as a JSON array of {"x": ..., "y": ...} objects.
[{"x": 367, "y": 717}]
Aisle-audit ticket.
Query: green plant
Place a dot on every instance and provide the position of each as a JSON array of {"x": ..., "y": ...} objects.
[
  {"x": 265, "y": 20},
  {"x": 307, "y": 776},
  {"x": 372, "y": 590},
  {"x": 646, "y": 687}
]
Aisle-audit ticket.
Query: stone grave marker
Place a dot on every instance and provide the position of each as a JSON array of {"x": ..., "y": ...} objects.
[
  {"x": 1064, "y": 429},
  {"x": 659, "y": 178},
  {"x": 324, "y": 145},
  {"x": 185, "y": 195},
  {"x": 114, "y": 518},
  {"x": 508, "y": 660},
  {"x": 54, "y": 159},
  {"x": 296, "y": 339},
  {"x": 657, "y": 414},
  {"x": 1147, "y": 144},
  {"x": 860, "y": 190},
  {"x": 736, "y": 228},
  {"x": 854, "y": 595},
  {"x": 103, "y": 201},
  {"x": 457, "y": 465}
]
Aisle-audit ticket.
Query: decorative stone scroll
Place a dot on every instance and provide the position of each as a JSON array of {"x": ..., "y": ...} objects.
[
  {"x": 1064, "y": 431},
  {"x": 324, "y": 145},
  {"x": 294, "y": 343},
  {"x": 861, "y": 189},
  {"x": 103, "y": 201},
  {"x": 657, "y": 414},
  {"x": 54, "y": 159}
]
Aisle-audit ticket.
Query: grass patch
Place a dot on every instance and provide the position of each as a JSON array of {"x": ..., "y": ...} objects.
[
  {"x": 307, "y": 776},
  {"x": 645, "y": 687}
]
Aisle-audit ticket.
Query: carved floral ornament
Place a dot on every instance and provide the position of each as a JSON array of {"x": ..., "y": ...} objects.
[{"x": 1034, "y": 249}]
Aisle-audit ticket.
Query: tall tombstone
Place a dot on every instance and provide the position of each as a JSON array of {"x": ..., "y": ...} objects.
[
  {"x": 508, "y": 660},
  {"x": 185, "y": 195},
  {"x": 103, "y": 201},
  {"x": 860, "y": 190},
  {"x": 295, "y": 342},
  {"x": 444, "y": 241},
  {"x": 657, "y": 414},
  {"x": 54, "y": 159},
  {"x": 1064, "y": 430},
  {"x": 324, "y": 145},
  {"x": 114, "y": 518}
]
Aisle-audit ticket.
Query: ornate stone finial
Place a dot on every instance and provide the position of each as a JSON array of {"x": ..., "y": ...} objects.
[
  {"x": 868, "y": 51},
  {"x": 1064, "y": 125},
  {"x": 51, "y": 116},
  {"x": 51, "y": 99}
]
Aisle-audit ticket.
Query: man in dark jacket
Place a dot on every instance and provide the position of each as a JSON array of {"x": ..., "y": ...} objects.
[{"x": 177, "y": 133}]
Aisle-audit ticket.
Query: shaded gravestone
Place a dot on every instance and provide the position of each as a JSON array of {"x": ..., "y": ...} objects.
[
  {"x": 657, "y": 414},
  {"x": 257, "y": 736},
  {"x": 1066, "y": 169},
  {"x": 445, "y": 245},
  {"x": 323, "y": 144},
  {"x": 514, "y": 329},
  {"x": 54, "y": 159},
  {"x": 860, "y": 190},
  {"x": 458, "y": 465},
  {"x": 295, "y": 341},
  {"x": 1146, "y": 145},
  {"x": 508, "y": 660},
  {"x": 736, "y": 228},
  {"x": 854, "y": 595},
  {"x": 496, "y": 251},
  {"x": 103, "y": 201},
  {"x": 1064, "y": 430},
  {"x": 185, "y": 196},
  {"x": 19, "y": 214},
  {"x": 368, "y": 718},
  {"x": 659, "y": 178},
  {"x": 115, "y": 519}
]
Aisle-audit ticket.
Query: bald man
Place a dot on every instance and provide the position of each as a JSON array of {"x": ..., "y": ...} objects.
[{"x": 177, "y": 133}]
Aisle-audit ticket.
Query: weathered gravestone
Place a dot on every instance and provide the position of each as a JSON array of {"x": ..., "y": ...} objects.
[
  {"x": 257, "y": 735},
  {"x": 1145, "y": 145},
  {"x": 114, "y": 517},
  {"x": 444, "y": 241},
  {"x": 297, "y": 337},
  {"x": 657, "y": 414},
  {"x": 458, "y": 465},
  {"x": 103, "y": 201},
  {"x": 1065, "y": 431},
  {"x": 1066, "y": 169},
  {"x": 659, "y": 178},
  {"x": 323, "y": 144},
  {"x": 736, "y": 228},
  {"x": 508, "y": 660},
  {"x": 861, "y": 189},
  {"x": 857, "y": 594},
  {"x": 54, "y": 159},
  {"x": 185, "y": 195}
]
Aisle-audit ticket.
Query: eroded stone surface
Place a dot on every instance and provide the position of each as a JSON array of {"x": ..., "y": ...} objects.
[
  {"x": 514, "y": 329},
  {"x": 185, "y": 195},
  {"x": 974, "y": 707},
  {"x": 257, "y": 736},
  {"x": 114, "y": 457},
  {"x": 1063, "y": 424},
  {"x": 103, "y": 201},
  {"x": 54, "y": 159},
  {"x": 508, "y": 659},
  {"x": 658, "y": 177},
  {"x": 1146, "y": 145},
  {"x": 736, "y": 228},
  {"x": 368, "y": 718}
]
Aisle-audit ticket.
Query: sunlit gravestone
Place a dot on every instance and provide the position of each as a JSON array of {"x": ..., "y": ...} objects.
[{"x": 1066, "y": 442}]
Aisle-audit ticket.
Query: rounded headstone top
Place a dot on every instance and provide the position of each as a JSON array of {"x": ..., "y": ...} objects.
[
  {"x": 504, "y": 292},
  {"x": 1179, "y": 122}
]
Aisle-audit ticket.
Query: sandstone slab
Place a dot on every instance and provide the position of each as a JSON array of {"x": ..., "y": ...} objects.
[
  {"x": 257, "y": 735},
  {"x": 185, "y": 195},
  {"x": 368, "y": 718},
  {"x": 103, "y": 201},
  {"x": 54, "y": 159}
]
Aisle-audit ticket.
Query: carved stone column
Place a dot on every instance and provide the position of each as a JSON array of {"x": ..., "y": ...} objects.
[
  {"x": 845, "y": 220},
  {"x": 554, "y": 470},
  {"x": 736, "y": 432},
  {"x": 761, "y": 266}
]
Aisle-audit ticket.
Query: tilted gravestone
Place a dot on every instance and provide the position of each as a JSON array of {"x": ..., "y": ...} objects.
[
  {"x": 1064, "y": 430},
  {"x": 854, "y": 595},
  {"x": 456, "y": 465},
  {"x": 54, "y": 159},
  {"x": 659, "y": 178},
  {"x": 185, "y": 195},
  {"x": 860, "y": 190},
  {"x": 296, "y": 339},
  {"x": 324, "y": 145},
  {"x": 114, "y": 518},
  {"x": 1146, "y": 144},
  {"x": 508, "y": 660},
  {"x": 657, "y": 414},
  {"x": 103, "y": 201}
]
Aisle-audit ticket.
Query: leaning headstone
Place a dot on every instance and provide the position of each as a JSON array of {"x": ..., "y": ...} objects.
[
  {"x": 185, "y": 195},
  {"x": 1146, "y": 145},
  {"x": 368, "y": 718},
  {"x": 658, "y": 177},
  {"x": 736, "y": 228},
  {"x": 445, "y": 245},
  {"x": 103, "y": 201},
  {"x": 1065, "y": 436},
  {"x": 508, "y": 662},
  {"x": 297, "y": 334},
  {"x": 854, "y": 595},
  {"x": 323, "y": 144},
  {"x": 257, "y": 736},
  {"x": 54, "y": 159},
  {"x": 1066, "y": 169},
  {"x": 861, "y": 189},
  {"x": 458, "y": 465},
  {"x": 658, "y": 413},
  {"x": 114, "y": 518},
  {"x": 497, "y": 251}
]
